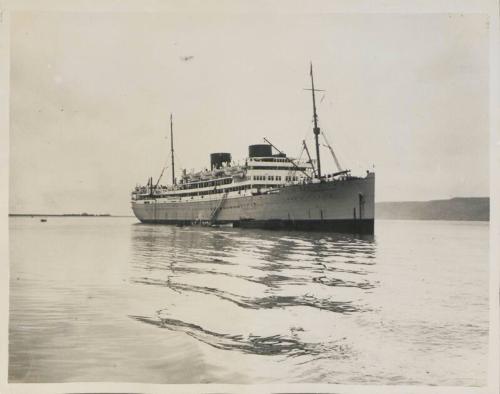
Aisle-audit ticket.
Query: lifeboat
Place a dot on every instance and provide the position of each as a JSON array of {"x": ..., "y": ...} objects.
[
  {"x": 194, "y": 177},
  {"x": 239, "y": 174},
  {"x": 205, "y": 175}
]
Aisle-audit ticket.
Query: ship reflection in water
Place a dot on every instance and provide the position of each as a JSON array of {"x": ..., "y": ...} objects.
[{"x": 255, "y": 292}]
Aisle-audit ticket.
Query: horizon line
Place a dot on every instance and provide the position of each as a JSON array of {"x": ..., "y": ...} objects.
[{"x": 123, "y": 215}]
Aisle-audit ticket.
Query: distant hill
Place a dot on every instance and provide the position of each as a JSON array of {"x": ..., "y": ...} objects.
[{"x": 460, "y": 208}]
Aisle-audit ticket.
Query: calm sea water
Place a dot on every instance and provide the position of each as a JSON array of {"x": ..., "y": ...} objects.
[{"x": 108, "y": 299}]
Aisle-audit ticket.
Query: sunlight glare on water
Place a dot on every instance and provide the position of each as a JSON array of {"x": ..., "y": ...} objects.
[{"x": 108, "y": 299}]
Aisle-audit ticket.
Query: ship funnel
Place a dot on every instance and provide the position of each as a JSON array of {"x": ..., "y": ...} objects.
[
  {"x": 217, "y": 159},
  {"x": 260, "y": 150}
]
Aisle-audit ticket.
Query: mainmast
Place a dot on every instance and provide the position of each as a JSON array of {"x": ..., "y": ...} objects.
[
  {"x": 172, "y": 149},
  {"x": 316, "y": 129}
]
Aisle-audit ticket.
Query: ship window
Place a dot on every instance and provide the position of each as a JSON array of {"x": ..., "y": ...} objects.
[
  {"x": 278, "y": 178},
  {"x": 275, "y": 168},
  {"x": 270, "y": 178}
]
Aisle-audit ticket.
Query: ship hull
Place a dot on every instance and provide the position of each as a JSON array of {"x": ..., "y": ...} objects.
[{"x": 340, "y": 206}]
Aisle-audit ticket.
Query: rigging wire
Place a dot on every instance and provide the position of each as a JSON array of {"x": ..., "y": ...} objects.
[
  {"x": 158, "y": 181},
  {"x": 337, "y": 163},
  {"x": 294, "y": 170},
  {"x": 327, "y": 143}
]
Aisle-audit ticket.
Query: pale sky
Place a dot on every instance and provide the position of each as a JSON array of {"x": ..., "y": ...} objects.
[{"x": 91, "y": 95}]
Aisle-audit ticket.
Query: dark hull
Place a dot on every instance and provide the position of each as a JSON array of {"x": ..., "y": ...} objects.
[
  {"x": 356, "y": 226},
  {"x": 353, "y": 226}
]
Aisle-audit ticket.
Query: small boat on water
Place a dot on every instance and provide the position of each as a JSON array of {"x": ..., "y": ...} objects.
[{"x": 43, "y": 220}]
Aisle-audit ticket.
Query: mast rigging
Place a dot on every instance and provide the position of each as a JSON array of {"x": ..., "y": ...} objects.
[
  {"x": 316, "y": 129},
  {"x": 159, "y": 178},
  {"x": 337, "y": 163},
  {"x": 309, "y": 156},
  {"x": 288, "y": 159}
]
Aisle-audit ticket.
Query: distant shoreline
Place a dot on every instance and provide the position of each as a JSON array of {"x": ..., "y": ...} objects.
[
  {"x": 70, "y": 215},
  {"x": 458, "y": 208}
]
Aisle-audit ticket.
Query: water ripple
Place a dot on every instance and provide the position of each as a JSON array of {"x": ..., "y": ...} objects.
[
  {"x": 268, "y": 302},
  {"x": 252, "y": 344}
]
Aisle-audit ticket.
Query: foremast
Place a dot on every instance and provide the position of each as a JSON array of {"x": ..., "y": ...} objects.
[{"x": 316, "y": 129}]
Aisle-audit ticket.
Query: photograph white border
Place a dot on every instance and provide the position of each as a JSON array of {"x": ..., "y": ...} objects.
[{"x": 489, "y": 7}]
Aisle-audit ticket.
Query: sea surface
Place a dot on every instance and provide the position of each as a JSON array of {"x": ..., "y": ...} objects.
[{"x": 109, "y": 299}]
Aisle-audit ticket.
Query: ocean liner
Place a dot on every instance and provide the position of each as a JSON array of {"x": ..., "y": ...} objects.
[{"x": 270, "y": 190}]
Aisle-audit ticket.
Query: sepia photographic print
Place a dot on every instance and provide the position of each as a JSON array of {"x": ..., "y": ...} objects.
[{"x": 236, "y": 196}]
